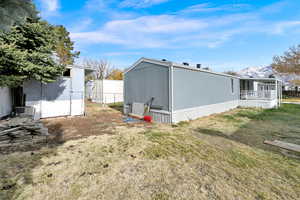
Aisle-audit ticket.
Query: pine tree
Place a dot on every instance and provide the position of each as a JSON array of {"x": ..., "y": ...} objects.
[
  {"x": 65, "y": 47},
  {"x": 26, "y": 52},
  {"x": 15, "y": 12}
]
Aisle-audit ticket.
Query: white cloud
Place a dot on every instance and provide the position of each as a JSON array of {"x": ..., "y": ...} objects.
[
  {"x": 50, "y": 5},
  {"x": 81, "y": 24},
  {"x": 141, "y": 3},
  {"x": 121, "y": 53},
  {"x": 206, "y": 7},
  {"x": 281, "y": 27},
  {"x": 144, "y": 32},
  {"x": 179, "y": 30},
  {"x": 97, "y": 4},
  {"x": 156, "y": 24}
]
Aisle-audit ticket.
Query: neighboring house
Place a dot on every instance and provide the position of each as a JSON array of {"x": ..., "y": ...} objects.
[
  {"x": 105, "y": 91},
  {"x": 64, "y": 97},
  {"x": 181, "y": 92},
  {"x": 260, "y": 92}
]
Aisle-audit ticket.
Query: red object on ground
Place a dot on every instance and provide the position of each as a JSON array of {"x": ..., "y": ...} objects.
[{"x": 148, "y": 118}]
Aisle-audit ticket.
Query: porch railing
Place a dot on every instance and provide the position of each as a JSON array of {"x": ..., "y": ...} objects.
[{"x": 258, "y": 95}]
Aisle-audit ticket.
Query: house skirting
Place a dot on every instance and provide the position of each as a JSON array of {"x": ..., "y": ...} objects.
[
  {"x": 162, "y": 116},
  {"x": 201, "y": 111},
  {"x": 259, "y": 103}
]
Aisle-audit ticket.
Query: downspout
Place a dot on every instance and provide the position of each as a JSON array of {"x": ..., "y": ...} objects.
[{"x": 171, "y": 91}]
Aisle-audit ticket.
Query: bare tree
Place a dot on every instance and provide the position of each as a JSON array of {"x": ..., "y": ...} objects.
[
  {"x": 232, "y": 73},
  {"x": 288, "y": 63},
  {"x": 103, "y": 68}
]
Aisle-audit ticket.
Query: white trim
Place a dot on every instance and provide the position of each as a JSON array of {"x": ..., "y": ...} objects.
[{"x": 201, "y": 111}]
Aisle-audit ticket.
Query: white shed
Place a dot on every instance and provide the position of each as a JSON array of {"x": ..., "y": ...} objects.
[{"x": 61, "y": 98}]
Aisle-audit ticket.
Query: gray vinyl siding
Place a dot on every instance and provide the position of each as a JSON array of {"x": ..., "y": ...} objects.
[
  {"x": 145, "y": 81},
  {"x": 195, "y": 88}
]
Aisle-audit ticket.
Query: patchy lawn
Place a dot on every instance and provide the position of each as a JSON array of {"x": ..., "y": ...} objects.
[{"x": 216, "y": 157}]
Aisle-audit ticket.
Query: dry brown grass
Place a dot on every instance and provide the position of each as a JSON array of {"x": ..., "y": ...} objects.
[
  {"x": 294, "y": 99},
  {"x": 217, "y": 157}
]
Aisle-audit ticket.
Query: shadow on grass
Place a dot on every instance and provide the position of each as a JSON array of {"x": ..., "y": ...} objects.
[
  {"x": 116, "y": 106},
  {"x": 272, "y": 124},
  {"x": 17, "y": 163}
]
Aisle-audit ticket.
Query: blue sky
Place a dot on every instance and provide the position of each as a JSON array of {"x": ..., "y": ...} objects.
[{"x": 223, "y": 35}]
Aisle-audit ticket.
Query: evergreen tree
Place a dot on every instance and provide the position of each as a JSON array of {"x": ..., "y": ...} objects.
[
  {"x": 65, "y": 47},
  {"x": 15, "y": 12},
  {"x": 26, "y": 52}
]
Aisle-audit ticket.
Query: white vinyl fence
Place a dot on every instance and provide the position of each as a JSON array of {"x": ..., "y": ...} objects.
[
  {"x": 105, "y": 91},
  {"x": 5, "y": 102}
]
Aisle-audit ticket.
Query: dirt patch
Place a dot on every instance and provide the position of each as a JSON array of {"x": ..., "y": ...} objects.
[{"x": 98, "y": 120}]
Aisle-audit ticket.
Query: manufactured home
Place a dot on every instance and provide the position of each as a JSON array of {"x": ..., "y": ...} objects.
[{"x": 179, "y": 92}]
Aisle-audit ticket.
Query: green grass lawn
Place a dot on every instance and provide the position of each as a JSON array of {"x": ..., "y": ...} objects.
[{"x": 217, "y": 157}]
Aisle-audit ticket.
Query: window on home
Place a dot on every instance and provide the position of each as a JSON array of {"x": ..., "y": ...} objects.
[
  {"x": 232, "y": 86},
  {"x": 67, "y": 73}
]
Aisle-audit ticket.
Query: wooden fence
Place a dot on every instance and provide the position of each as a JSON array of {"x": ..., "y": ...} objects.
[{"x": 291, "y": 93}]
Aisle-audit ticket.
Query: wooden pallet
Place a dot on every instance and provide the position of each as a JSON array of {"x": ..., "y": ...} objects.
[{"x": 284, "y": 145}]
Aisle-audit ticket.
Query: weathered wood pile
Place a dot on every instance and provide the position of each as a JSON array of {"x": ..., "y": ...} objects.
[{"x": 22, "y": 130}]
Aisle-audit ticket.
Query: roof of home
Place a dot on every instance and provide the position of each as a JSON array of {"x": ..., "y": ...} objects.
[{"x": 170, "y": 63}]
